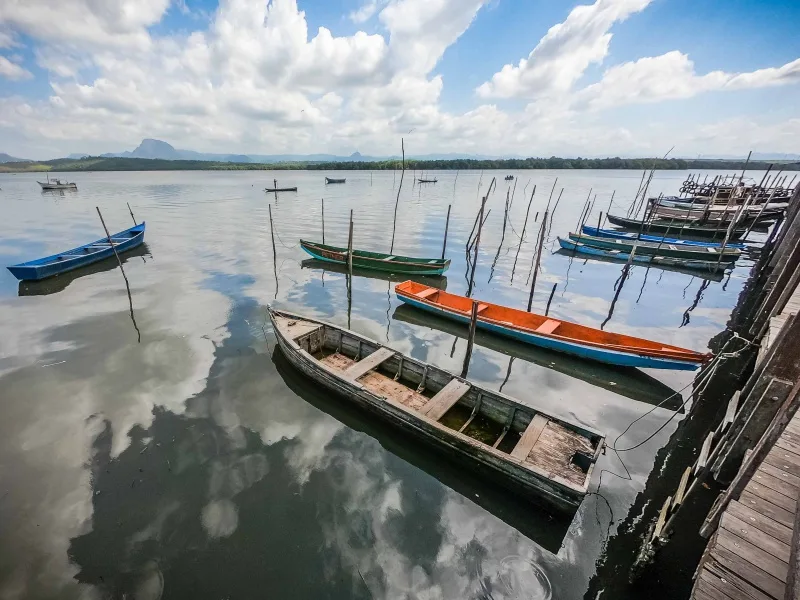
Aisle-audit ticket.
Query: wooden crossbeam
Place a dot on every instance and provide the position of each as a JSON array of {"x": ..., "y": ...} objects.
[
  {"x": 445, "y": 398},
  {"x": 368, "y": 363}
]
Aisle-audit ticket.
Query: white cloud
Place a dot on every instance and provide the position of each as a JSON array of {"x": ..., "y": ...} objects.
[
  {"x": 12, "y": 71},
  {"x": 564, "y": 53},
  {"x": 671, "y": 76},
  {"x": 365, "y": 12}
]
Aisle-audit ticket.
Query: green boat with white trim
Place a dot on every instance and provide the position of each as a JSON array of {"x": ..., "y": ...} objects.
[{"x": 378, "y": 261}]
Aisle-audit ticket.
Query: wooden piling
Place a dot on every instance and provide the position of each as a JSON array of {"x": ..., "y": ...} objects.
[
  {"x": 272, "y": 231},
  {"x": 400, "y": 187},
  {"x": 550, "y": 299},
  {"x": 473, "y": 325},
  {"x": 608, "y": 210},
  {"x": 477, "y": 245},
  {"x": 350, "y": 246},
  {"x": 130, "y": 211},
  {"x": 446, "y": 227},
  {"x": 538, "y": 258},
  {"x": 322, "y": 202}
]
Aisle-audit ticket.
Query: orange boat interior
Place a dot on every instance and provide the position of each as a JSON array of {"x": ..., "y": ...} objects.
[{"x": 543, "y": 325}]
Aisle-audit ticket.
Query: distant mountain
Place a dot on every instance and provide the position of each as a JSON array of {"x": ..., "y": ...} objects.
[
  {"x": 7, "y": 158},
  {"x": 150, "y": 148},
  {"x": 77, "y": 156}
]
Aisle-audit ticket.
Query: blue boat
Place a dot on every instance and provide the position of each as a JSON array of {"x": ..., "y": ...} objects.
[
  {"x": 81, "y": 256},
  {"x": 711, "y": 266},
  {"x": 624, "y": 235}
]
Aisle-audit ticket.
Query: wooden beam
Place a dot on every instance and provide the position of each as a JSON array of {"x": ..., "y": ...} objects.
[
  {"x": 529, "y": 438},
  {"x": 445, "y": 398},
  {"x": 368, "y": 363}
]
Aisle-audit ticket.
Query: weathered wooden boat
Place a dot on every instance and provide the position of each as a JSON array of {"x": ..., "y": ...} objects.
[
  {"x": 286, "y": 189},
  {"x": 702, "y": 204},
  {"x": 554, "y": 334},
  {"x": 58, "y": 184},
  {"x": 659, "y": 248},
  {"x": 542, "y": 457},
  {"x": 625, "y": 235},
  {"x": 378, "y": 261},
  {"x": 667, "y": 227},
  {"x": 708, "y": 266},
  {"x": 427, "y": 180},
  {"x": 716, "y": 214},
  {"x": 630, "y": 382},
  {"x": 81, "y": 256},
  {"x": 332, "y": 180}
]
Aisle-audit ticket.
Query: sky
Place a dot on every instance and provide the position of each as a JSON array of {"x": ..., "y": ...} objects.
[{"x": 484, "y": 77}]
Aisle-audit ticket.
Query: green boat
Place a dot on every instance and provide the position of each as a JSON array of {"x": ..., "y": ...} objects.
[
  {"x": 651, "y": 248},
  {"x": 377, "y": 261}
]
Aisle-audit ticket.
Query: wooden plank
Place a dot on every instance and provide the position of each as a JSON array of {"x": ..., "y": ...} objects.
[
  {"x": 771, "y": 495},
  {"x": 748, "y": 572},
  {"x": 755, "y": 556},
  {"x": 729, "y": 585},
  {"x": 786, "y": 461},
  {"x": 529, "y": 437},
  {"x": 789, "y": 443},
  {"x": 705, "y": 450},
  {"x": 701, "y": 595},
  {"x": 755, "y": 536},
  {"x": 730, "y": 413},
  {"x": 662, "y": 518},
  {"x": 767, "y": 508},
  {"x": 425, "y": 293},
  {"x": 549, "y": 326},
  {"x": 778, "y": 471},
  {"x": 368, "y": 363},
  {"x": 681, "y": 487},
  {"x": 771, "y": 527},
  {"x": 779, "y": 485},
  {"x": 482, "y": 307},
  {"x": 445, "y": 398}
]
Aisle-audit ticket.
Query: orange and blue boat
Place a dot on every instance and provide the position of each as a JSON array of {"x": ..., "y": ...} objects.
[{"x": 553, "y": 334}]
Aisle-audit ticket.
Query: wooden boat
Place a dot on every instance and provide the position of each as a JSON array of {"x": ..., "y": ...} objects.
[
  {"x": 630, "y": 382},
  {"x": 643, "y": 247},
  {"x": 437, "y": 281},
  {"x": 708, "y": 266},
  {"x": 332, "y": 180},
  {"x": 667, "y": 227},
  {"x": 614, "y": 233},
  {"x": 540, "y": 456},
  {"x": 427, "y": 180},
  {"x": 58, "y": 184},
  {"x": 286, "y": 189},
  {"x": 716, "y": 214},
  {"x": 702, "y": 204},
  {"x": 78, "y": 257},
  {"x": 377, "y": 260},
  {"x": 562, "y": 336}
]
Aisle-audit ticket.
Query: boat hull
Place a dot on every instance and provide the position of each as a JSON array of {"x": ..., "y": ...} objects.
[
  {"x": 525, "y": 482},
  {"x": 667, "y": 227},
  {"x": 339, "y": 256},
  {"x": 50, "y": 266},
  {"x": 288, "y": 189},
  {"x": 645, "y": 248},
  {"x": 624, "y": 235}
]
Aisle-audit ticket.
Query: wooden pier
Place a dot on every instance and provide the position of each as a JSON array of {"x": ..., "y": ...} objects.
[{"x": 749, "y": 555}]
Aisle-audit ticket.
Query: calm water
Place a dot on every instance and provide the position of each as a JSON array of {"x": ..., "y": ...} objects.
[{"x": 196, "y": 463}]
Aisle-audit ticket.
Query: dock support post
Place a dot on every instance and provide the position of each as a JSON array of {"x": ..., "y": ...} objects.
[
  {"x": 473, "y": 324},
  {"x": 446, "y": 227}
]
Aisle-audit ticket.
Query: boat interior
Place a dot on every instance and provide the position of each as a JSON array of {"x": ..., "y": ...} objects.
[{"x": 497, "y": 424}]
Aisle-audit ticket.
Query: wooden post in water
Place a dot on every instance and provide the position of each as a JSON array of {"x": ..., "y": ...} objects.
[
  {"x": 130, "y": 211},
  {"x": 400, "y": 187},
  {"x": 538, "y": 258},
  {"x": 550, "y": 299},
  {"x": 322, "y": 201},
  {"x": 473, "y": 325},
  {"x": 446, "y": 227},
  {"x": 272, "y": 232},
  {"x": 477, "y": 244},
  {"x": 122, "y": 270},
  {"x": 350, "y": 246},
  {"x": 522, "y": 235}
]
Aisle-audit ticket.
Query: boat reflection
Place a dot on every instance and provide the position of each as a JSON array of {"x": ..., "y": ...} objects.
[
  {"x": 58, "y": 283},
  {"x": 437, "y": 281},
  {"x": 626, "y": 381},
  {"x": 711, "y": 276},
  {"x": 545, "y": 529}
]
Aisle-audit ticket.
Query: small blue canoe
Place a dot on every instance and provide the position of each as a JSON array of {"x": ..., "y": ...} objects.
[
  {"x": 711, "y": 266},
  {"x": 624, "y": 235},
  {"x": 81, "y": 256}
]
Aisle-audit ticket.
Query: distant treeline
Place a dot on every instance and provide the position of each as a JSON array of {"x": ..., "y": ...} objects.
[{"x": 146, "y": 164}]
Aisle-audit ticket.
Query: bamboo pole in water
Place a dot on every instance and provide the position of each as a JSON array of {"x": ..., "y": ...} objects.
[
  {"x": 522, "y": 235},
  {"x": 272, "y": 231},
  {"x": 130, "y": 211},
  {"x": 400, "y": 187},
  {"x": 473, "y": 325},
  {"x": 350, "y": 246},
  {"x": 322, "y": 202},
  {"x": 446, "y": 227},
  {"x": 550, "y": 299},
  {"x": 477, "y": 245},
  {"x": 538, "y": 258}
]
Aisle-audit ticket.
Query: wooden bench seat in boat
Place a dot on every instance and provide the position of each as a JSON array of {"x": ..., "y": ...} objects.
[
  {"x": 482, "y": 307},
  {"x": 425, "y": 293},
  {"x": 549, "y": 326},
  {"x": 445, "y": 398},
  {"x": 529, "y": 437},
  {"x": 368, "y": 363}
]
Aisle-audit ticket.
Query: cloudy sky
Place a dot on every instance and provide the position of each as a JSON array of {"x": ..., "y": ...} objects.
[{"x": 499, "y": 77}]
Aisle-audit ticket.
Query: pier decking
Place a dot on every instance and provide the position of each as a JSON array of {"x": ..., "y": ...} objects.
[{"x": 749, "y": 555}]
